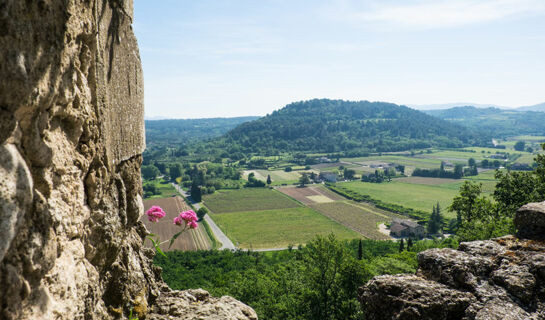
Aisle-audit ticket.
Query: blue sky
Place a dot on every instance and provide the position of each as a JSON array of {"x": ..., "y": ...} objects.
[{"x": 224, "y": 58}]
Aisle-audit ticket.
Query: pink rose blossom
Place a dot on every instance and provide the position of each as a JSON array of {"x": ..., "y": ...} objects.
[
  {"x": 155, "y": 213},
  {"x": 193, "y": 225}
]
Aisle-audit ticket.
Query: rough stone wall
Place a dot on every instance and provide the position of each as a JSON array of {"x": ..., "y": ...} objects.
[
  {"x": 498, "y": 279},
  {"x": 71, "y": 138}
]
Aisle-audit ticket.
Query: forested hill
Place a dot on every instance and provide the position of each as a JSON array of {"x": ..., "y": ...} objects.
[
  {"x": 498, "y": 122},
  {"x": 186, "y": 131},
  {"x": 351, "y": 127}
]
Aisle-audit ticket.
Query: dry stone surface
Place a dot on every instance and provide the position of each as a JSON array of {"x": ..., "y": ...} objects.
[
  {"x": 498, "y": 279},
  {"x": 71, "y": 138}
]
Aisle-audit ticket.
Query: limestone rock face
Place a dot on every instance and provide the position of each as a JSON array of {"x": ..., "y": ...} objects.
[
  {"x": 71, "y": 138},
  {"x": 502, "y": 278}
]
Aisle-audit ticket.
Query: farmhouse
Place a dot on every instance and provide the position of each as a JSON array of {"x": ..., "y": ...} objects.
[{"x": 406, "y": 228}]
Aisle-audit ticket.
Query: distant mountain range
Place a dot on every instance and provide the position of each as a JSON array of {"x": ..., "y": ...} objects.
[
  {"x": 172, "y": 132},
  {"x": 538, "y": 107},
  {"x": 496, "y": 122}
]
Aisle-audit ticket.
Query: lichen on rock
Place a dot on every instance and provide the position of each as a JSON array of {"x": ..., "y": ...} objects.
[{"x": 71, "y": 139}]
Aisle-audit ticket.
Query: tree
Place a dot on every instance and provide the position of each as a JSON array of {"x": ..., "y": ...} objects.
[
  {"x": 349, "y": 174},
  {"x": 331, "y": 279},
  {"x": 458, "y": 170},
  {"x": 485, "y": 163},
  {"x": 471, "y": 162},
  {"x": 519, "y": 146},
  {"x": 149, "y": 172},
  {"x": 175, "y": 171},
  {"x": 304, "y": 179},
  {"x": 409, "y": 244},
  {"x": 269, "y": 181},
  {"x": 196, "y": 193},
  {"x": 360, "y": 251},
  {"x": 401, "y": 245},
  {"x": 288, "y": 169},
  {"x": 201, "y": 213},
  {"x": 436, "y": 220},
  {"x": 464, "y": 204}
]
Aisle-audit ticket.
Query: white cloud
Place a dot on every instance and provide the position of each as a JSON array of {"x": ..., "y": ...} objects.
[{"x": 429, "y": 14}]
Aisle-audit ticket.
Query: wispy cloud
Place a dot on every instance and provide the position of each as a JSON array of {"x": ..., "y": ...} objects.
[{"x": 429, "y": 14}]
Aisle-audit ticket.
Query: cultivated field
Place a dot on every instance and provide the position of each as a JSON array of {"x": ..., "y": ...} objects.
[
  {"x": 277, "y": 176},
  {"x": 249, "y": 199},
  {"x": 311, "y": 194},
  {"x": 196, "y": 239},
  {"x": 358, "y": 218},
  {"x": 278, "y": 228},
  {"x": 417, "y": 196},
  {"x": 426, "y": 181}
]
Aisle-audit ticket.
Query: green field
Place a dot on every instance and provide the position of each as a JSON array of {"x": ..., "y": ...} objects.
[
  {"x": 417, "y": 196},
  {"x": 164, "y": 188},
  {"x": 277, "y": 176},
  {"x": 250, "y": 199},
  {"x": 278, "y": 228}
]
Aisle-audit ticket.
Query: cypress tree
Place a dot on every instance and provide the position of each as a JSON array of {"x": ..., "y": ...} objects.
[{"x": 360, "y": 251}]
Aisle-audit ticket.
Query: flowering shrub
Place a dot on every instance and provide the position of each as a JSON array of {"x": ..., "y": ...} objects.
[{"x": 187, "y": 219}]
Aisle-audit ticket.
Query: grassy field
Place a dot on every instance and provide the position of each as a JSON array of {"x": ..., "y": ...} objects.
[
  {"x": 278, "y": 228},
  {"x": 195, "y": 239},
  {"x": 250, "y": 199},
  {"x": 417, "y": 196},
  {"x": 278, "y": 177},
  {"x": 360, "y": 219},
  {"x": 164, "y": 187}
]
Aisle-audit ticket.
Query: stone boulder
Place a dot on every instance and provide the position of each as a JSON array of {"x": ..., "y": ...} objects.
[{"x": 500, "y": 279}]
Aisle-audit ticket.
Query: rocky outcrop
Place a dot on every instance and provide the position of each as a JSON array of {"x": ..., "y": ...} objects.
[
  {"x": 502, "y": 278},
  {"x": 71, "y": 138}
]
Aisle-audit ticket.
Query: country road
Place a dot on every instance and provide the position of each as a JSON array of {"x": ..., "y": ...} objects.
[{"x": 226, "y": 243}]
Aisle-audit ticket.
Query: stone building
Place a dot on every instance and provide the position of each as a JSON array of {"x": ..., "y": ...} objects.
[{"x": 406, "y": 228}]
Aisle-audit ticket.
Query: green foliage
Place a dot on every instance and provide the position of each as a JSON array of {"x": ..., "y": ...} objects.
[
  {"x": 304, "y": 179},
  {"x": 196, "y": 193},
  {"x": 201, "y": 213},
  {"x": 318, "y": 281},
  {"x": 149, "y": 172},
  {"x": 253, "y": 182},
  {"x": 352, "y": 127},
  {"x": 519, "y": 146},
  {"x": 435, "y": 223},
  {"x": 481, "y": 218}
]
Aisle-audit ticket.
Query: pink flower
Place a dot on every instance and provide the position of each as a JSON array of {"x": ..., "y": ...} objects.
[
  {"x": 178, "y": 221},
  {"x": 189, "y": 216},
  {"x": 155, "y": 213}
]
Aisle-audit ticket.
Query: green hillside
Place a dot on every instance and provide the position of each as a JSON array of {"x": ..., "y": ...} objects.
[{"x": 323, "y": 125}]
